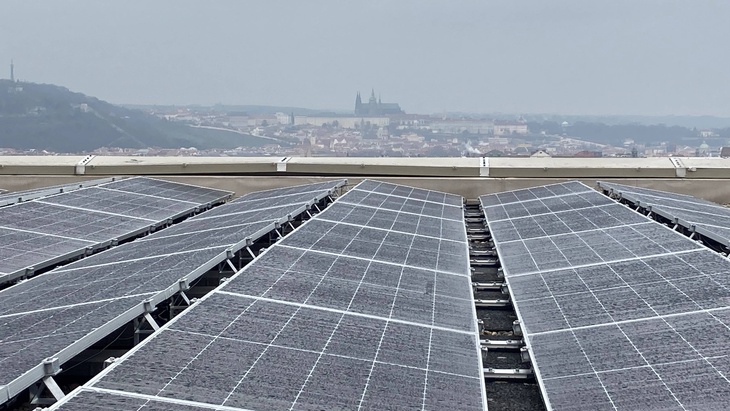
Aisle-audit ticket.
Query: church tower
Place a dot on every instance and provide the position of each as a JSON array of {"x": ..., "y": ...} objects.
[{"x": 358, "y": 104}]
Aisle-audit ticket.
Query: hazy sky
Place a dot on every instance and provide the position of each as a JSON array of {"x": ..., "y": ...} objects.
[{"x": 649, "y": 57}]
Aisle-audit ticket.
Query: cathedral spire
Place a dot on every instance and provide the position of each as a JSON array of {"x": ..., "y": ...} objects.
[{"x": 358, "y": 103}]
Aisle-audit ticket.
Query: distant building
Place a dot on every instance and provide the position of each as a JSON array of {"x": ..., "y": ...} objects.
[
  {"x": 375, "y": 107},
  {"x": 342, "y": 121},
  {"x": 588, "y": 154},
  {"x": 461, "y": 126},
  {"x": 284, "y": 118},
  {"x": 507, "y": 128}
]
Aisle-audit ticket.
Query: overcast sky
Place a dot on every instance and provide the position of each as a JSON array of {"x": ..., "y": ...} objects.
[{"x": 649, "y": 57}]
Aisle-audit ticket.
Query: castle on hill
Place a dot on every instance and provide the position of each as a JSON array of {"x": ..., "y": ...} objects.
[{"x": 375, "y": 107}]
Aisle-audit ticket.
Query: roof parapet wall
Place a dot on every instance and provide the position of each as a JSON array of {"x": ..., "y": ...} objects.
[{"x": 494, "y": 167}]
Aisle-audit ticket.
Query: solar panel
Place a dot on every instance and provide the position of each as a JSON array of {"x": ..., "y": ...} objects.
[
  {"x": 53, "y": 229},
  {"x": 303, "y": 194},
  {"x": 300, "y": 189},
  {"x": 632, "y": 316},
  {"x": 168, "y": 189},
  {"x": 64, "y": 311},
  {"x": 547, "y": 191},
  {"x": 27, "y": 195},
  {"x": 697, "y": 215},
  {"x": 363, "y": 198},
  {"x": 331, "y": 317}
]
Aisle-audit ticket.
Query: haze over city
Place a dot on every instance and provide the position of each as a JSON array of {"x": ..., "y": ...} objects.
[{"x": 648, "y": 57}]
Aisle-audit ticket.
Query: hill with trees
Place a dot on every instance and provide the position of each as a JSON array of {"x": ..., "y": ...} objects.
[{"x": 53, "y": 118}]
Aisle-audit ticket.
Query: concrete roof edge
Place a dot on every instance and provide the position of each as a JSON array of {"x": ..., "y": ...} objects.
[{"x": 496, "y": 167}]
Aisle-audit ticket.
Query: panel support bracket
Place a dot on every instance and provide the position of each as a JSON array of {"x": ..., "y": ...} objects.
[
  {"x": 680, "y": 170},
  {"x": 281, "y": 164},
  {"x": 81, "y": 165},
  {"x": 484, "y": 167}
]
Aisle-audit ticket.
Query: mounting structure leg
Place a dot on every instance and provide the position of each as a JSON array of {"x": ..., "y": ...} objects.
[
  {"x": 319, "y": 210},
  {"x": 185, "y": 297},
  {"x": 53, "y": 387},
  {"x": 151, "y": 321},
  {"x": 250, "y": 252},
  {"x": 232, "y": 267}
]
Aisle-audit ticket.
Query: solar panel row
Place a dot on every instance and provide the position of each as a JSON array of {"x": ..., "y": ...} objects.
[
  {"x": 27, "y": 195},
  {"x": 49, "y": 230},
  {"x": 64, "y": 311},
  {"x": 362, "y": 307},
  {"x": 696, "y": 215},
  {"x": 624, "y": 315}
]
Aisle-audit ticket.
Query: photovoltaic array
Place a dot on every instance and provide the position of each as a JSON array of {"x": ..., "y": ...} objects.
[
  {"x": 619, "y": 312},
  {"x": 366, "y": 306},
  {"x": 706, "y": 218},
  {"x": 62, "y": 312},
  {"x": 53, "y": 229},
  {"x": 32, "y": 194}
]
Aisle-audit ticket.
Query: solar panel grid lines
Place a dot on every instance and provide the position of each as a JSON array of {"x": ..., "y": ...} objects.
[
  {"x": 154, "y": 267},
  {"x": 552, "y": 190},
  {"x": 619, "y": 189},
  {"x": 326, "y": 186},
  {"x": 107, "y": 188},
  {"x": 27, "y": 195},
  {"x": 394, "y": 190},
  {"x": 99, "y": 399},
  {"x": 198, "y": 225},
  {"x": 184, "y": 192},
  {"x": 114, "y": 202},
  {"x": 541, "y": 206},
  {"x": 643, "y": 318},
  {"x": 67, "y": 216},
  {"x": 699, "y": 216},
  {"x": 303, "y": 354},
  {"x": 313, "y": 193}
]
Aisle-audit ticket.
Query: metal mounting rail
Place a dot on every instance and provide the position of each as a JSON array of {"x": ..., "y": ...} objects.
[
  {"x": 492, "y": 303},
  {"x": 482, "y": 253},
  {"x": 491, "y": 286},
  {"x": 483, "y": 262},
  {"x": 501, "y": 344},
  {"x": 509, "y": 374},
  {"x": 478, "y": 237}
]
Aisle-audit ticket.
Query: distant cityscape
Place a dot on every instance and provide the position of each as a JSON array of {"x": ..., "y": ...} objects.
[
  {"x": 383, "y": 129},
  {"x": 372, "y": 129}
]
